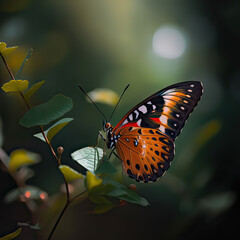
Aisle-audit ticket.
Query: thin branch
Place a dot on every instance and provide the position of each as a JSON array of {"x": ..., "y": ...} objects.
[
  {"x": 58, "y": 220},
  {"x": 54, "y": 154},
  {"x": 10, "y": 72},
  {"x": 81, "y": 195}
]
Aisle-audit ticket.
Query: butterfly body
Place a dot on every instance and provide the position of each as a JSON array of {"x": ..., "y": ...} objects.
[{"x": 144, "y": 138}]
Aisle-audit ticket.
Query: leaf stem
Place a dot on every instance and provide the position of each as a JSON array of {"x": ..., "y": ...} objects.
[{"x": 10, "y": 72}]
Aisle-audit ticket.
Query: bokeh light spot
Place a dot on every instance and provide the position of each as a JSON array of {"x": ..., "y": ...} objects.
[
  {"x": 27, "y": 194},
  {"x": 42, "y": 196},
  {"x": 168, "y": 42}
]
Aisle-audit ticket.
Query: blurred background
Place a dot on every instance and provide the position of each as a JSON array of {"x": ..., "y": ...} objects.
[{"x": 149, "y": 45}]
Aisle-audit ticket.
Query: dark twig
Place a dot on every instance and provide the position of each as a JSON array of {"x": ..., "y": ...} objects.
[{"x": 49, "y": 144}]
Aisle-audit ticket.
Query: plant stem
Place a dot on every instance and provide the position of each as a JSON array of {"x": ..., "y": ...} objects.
[
  {"x": 83, "y": 194},
  {"x": 42, "y": 131},
  {"x": 10, "y": 72},
  {"x": 59, "y": 218},
  {"x": 68, "y": 202}
]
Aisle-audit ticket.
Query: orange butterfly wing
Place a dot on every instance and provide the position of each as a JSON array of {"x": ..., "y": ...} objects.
[{"x": 145, "y": 153}]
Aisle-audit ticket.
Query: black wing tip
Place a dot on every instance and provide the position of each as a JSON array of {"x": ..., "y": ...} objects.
[{"x": 152, "y": 178}]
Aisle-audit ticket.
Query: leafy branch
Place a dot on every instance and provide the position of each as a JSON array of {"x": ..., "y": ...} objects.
[{"x": 100, "y": 188}]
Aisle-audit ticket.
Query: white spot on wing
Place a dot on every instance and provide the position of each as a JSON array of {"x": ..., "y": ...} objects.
[
  {"x": 168, "y": 101},
  {"x": 169, "y": 91},
  {"x": 163, "y": 119},
  {"x": 149, "y": 102},
  {"x": 130, "y": 117},
  {"x": 192, "y": 85},
  {"x": 136, "y": 113},
  {"x": 189, "y": 90},
  {"x": 143, "y": 109},
  {"x": 139, "y": 122},
  {"x": 162, "y": 128},
  {"x": 154, "y": 107},
  {"x": 125, "y": 122}
]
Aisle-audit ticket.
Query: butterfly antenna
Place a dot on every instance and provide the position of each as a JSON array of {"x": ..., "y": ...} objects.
[
  {"x": 118, "y": 102},
  {"x": 93, "y": 103}
]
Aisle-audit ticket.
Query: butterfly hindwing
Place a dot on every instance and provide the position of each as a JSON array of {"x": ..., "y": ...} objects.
[
  {"x": 146, "y": 153},
  {"x": 166, "y": 110}
]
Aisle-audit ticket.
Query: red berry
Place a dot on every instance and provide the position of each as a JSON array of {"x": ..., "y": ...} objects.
[{"x": 132, "y": 186}]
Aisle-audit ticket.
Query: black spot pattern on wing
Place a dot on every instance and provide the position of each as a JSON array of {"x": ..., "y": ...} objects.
[{"x": 175, "y": 102}]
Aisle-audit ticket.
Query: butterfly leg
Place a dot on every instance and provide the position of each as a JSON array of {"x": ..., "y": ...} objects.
[
  {"x": 112, "y": 151},
  {"x": 103, "y": 138},
  {"x": 100, "y": 134}
]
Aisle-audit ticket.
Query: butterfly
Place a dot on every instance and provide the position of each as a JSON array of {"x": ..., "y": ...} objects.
[{"x": 144, "y": 137}]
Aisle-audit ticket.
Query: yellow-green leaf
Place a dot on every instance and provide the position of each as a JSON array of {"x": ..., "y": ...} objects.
[
  {"x": 12, "y": 235},
  {"x": 4, "y": 50},
  {"x": 3, "y": 46},
  {"x": 21, "y": 157},
  {"x": 103, "y": 208},
  {"x": 92, "y": 180},
  {"x": 9, "y": 50},
  {"x": 69, "y": 173},
  {"x": 33, "y": 89},
  {"x": 103, "y": 95},
  {"x": 15, "y": 86},
  {"x": 54, "y": 129}
]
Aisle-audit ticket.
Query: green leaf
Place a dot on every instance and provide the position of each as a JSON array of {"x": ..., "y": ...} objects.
[
  {"x": 88, "y": 157},
  {"x": 134, "y": 199},
  {"x": 12, "y": 235},
  {"x": 97, "y": 194},
  {"x": 116, "y": 192},
  {"x": 105, "y": 166},
  {"x": 21, "y": 157},
  {"x": 47, "y": 112},
  {"x": 69, "y": 173},
  {"x": 103, "y": 208},
  {"x": 54, "y": 129},
  {"x": 33, "y": 89},
  {"x": 25, "y": 60},
  {"x": 122, "y": 192},
  {"x": 15, "y": 86},
  {"x": 100, "y": 193}
]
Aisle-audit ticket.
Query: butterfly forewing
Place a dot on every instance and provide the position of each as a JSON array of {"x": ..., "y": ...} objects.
[
  {"x": 146, "y": 153},
  {"x": 166, "y": 110}
]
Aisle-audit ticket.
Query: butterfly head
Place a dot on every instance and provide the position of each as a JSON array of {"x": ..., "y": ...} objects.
[
  {"x": 111, "y": 138},
  {"x": 107, "y": 126}
]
